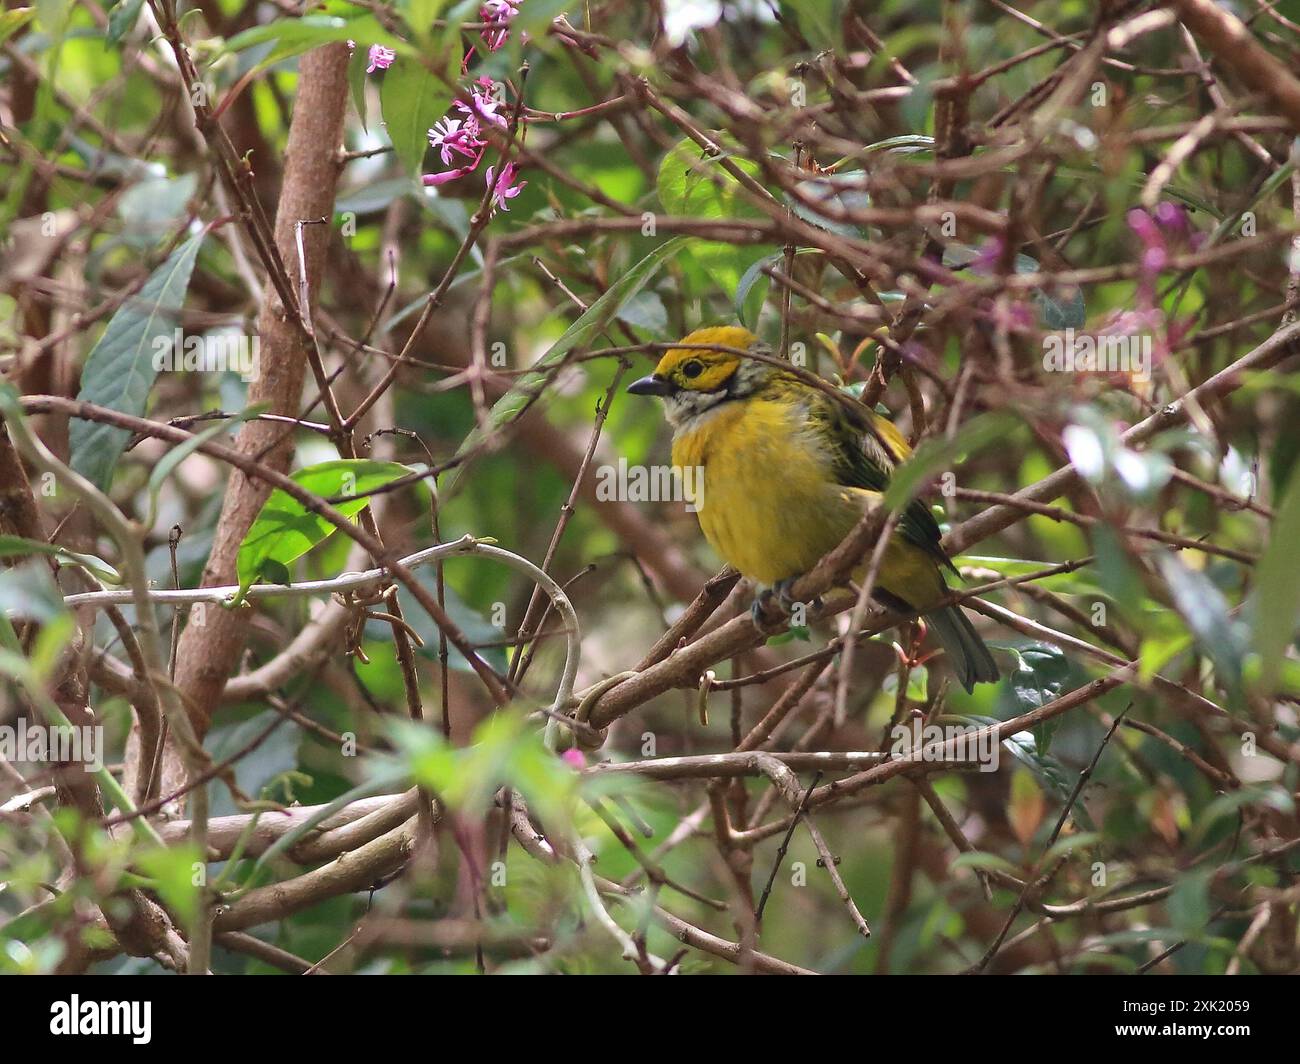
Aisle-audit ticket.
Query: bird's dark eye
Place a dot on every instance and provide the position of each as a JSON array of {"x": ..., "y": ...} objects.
[{"x": 692, "y": 369}]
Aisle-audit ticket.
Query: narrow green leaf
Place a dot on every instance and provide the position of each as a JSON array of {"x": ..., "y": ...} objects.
[
  {"x": 357, "y": 82},
  {"x": 754, "y": 281},
  {"x": 293, "y": 36},
  {"x": 13, "y": 20},
  {"x": 1205, "y": 610},
  {"x": 120, "y": 371},
  {"x": 18, "y": 547},
  {"x": 122, "y": 18},
  {"x": 594, "y": 319}
]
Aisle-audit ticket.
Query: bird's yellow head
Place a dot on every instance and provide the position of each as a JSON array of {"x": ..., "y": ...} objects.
[{"x": 707, "y": 371}]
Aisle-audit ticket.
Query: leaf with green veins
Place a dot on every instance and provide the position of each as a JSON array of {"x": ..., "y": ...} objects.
[
  {"x": 413, "y": 98},
  {"x": 935, "y": 456},
  {"x": 285, "y": 529},
  {"x": 592, "y": 321},
  {"x": 693, "y": 184},
  {"x": 18, "y": 547},
  {"x": 119, "y": 371}
]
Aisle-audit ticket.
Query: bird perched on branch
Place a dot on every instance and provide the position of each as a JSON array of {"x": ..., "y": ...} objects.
[{"x": 787, "y": 472}]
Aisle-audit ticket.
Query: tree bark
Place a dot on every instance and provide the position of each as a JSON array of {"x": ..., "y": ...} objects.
[{"x": 213, "y": 638}]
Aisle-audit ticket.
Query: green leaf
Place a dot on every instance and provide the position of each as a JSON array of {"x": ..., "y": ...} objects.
[
  {"x": 18, "y": 547},
  {"x": 1062, "y": 308},
  {"x": 535, "y": 17},
  {"x": 817, "y": 22},
  {"x": 1277, "y": 589},
  {"x": 412, "y": 99},
  {"x": 756, "y": 283},
  {"x": 13, "y": 20},
  {"x": 592, "y": 321},
  {"x": 357, "y": 82},
  {"x": 840, "y": 194},
  {"x": 176, "y": 873},
  {"x": 1205, "y": 610},
  {"x": 420, "y": 14},
  {"x": 1040, "y": 675},
  {"x": 1067, "y": 844},
  {"x": 692, "y": 183},
  {"x": 28, "y": 590},
  {"x": 285, "y": 529},
  {"x": 293, "y": 36},
  {"x": 984, "y": 861},
  {"x": 122, "y": 18},
  {"x": 937, "y": 455},
  {"x": 152, "y": 208},
  {"x": 119, "y": 372}
]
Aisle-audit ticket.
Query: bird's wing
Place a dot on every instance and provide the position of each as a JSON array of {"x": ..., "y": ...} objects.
[{"x": 866, "y": 456}]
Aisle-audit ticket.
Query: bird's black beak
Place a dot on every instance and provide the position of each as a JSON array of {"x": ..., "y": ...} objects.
[{"x": 651, "y": 385}]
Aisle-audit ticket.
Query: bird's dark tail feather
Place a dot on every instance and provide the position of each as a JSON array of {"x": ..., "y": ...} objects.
[{"x": 970, "y": 659}]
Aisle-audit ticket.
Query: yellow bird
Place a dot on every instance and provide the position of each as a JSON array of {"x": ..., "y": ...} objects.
[{"x": 787, "y": 473}]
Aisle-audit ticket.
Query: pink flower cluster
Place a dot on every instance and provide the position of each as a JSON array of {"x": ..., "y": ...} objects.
[
  {"x": 379, "y": 57},
  {"x": 1158, "y": 230},
  {"x": 463, "y": 138},
  {"x": 460, "y": 141},
  {"x": 497, "y": 15}
]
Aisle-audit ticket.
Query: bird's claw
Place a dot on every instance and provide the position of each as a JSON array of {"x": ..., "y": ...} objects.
[
  {"x": 758, "y": 610},
  {"x": 780, "y": 593}
]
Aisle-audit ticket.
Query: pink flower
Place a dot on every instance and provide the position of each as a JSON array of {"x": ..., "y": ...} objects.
[
  {"x": 498, "y": 15},
  {"x": 448, "y": 175},
  {"x": 453, "y": 135},
  {"x": 381, "y": 58},
  {"x": 483, "y": 104},
  {"x": 503, "y": 187},
  {"x": 573, "y": 757},
  {"x": 1173, "y": 217}
]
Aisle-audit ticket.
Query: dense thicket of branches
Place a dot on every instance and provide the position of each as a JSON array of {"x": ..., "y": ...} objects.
[{"x": 382, "y": 270}]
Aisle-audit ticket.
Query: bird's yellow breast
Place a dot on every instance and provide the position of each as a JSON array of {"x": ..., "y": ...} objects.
[{"x": 769, "y": 504}]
